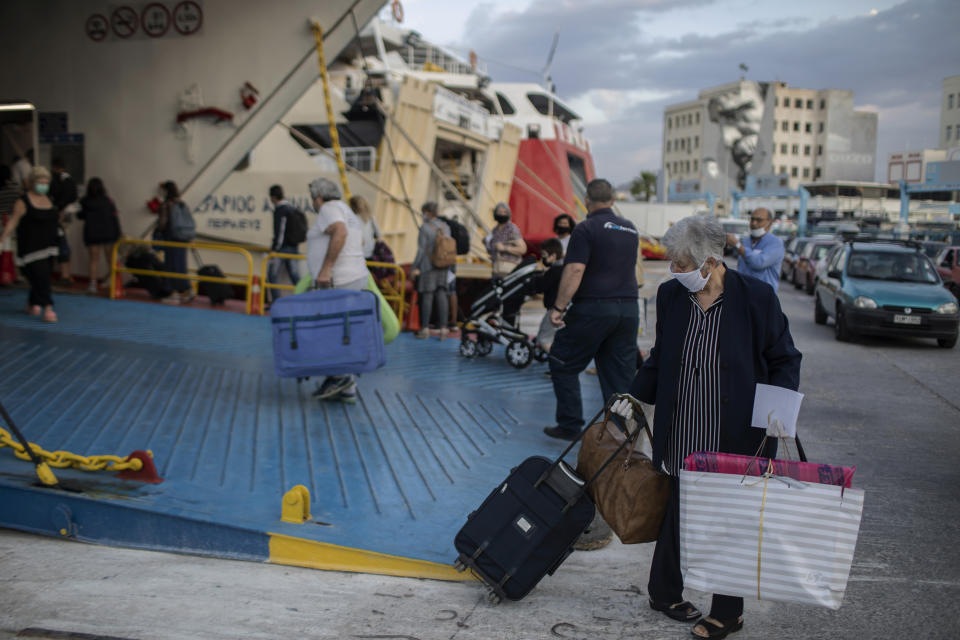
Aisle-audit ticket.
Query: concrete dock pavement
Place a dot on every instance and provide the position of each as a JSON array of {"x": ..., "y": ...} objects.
[{"x": 887, "y": 406}]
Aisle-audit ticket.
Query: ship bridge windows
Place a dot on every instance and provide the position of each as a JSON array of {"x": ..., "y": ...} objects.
[
  {"x": 543, "y": 104},
  {"x": 505, "y": 105}
]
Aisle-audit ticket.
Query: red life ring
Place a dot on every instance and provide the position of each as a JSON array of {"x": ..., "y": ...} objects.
[{"x": 397, "y": 10}]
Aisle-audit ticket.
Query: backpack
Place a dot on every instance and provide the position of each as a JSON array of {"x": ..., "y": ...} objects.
[
  {"x": 444, "y": 250},
  {"x": 382, "y": 253},
  {"x": 460, "y": 234},
  {"x": 180, "y": 225},
  {"x": 296, "y": 231}
]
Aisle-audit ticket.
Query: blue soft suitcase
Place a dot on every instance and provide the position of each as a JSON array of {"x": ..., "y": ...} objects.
[{"x": 327, "y": 332}]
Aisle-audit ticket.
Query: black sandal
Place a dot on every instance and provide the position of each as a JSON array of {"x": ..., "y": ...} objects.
[
  {"x": 717, "y": 628},
  {"x": 681, "y": 611}
]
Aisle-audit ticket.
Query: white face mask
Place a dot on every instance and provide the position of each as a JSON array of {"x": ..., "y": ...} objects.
[
  {"x": 693, "y": 280},
  {"x": 757, "y": 233}
]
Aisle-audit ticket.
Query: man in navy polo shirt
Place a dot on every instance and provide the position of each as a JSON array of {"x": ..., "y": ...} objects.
[{"x": 599, "y": 279}]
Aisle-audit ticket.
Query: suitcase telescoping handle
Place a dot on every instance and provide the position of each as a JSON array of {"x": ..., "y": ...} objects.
[{"x": 631, "y": 437}]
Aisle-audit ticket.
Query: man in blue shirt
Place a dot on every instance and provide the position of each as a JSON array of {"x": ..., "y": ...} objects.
[
  {"x": 762, "y": 252},
  {"x": 596, "y": 309}
]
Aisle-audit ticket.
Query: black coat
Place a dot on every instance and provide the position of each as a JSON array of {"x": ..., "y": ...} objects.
[
  {"x": 101, "y": 225},
  {"x": 755, "y": 346}
]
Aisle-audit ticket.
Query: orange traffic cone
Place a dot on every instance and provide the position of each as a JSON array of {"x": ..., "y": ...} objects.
[
  {"x": 255, "y": 294},
  {"x": 413, "y": 318},
  {"x": 117, "y": 289}
]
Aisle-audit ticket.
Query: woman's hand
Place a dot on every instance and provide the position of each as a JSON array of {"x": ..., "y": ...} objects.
[{"x": 624, "y": 408}]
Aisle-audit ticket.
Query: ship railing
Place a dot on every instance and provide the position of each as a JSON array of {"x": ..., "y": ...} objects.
[
  {"x": 391, "y": 288},
  {"x": 243, "y": 279}
]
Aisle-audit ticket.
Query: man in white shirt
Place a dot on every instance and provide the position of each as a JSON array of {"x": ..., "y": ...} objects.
[{"x": 335, "y": 259}]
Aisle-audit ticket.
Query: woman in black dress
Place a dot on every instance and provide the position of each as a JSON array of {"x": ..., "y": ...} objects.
[
  {"x": 101, "y": 226},
  {"x": 36, "y": 221}
]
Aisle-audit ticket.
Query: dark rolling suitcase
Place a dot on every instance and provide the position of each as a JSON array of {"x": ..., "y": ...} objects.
[
  {"x": 527, "y": 526},
  {"x": 216, "y": 291}
]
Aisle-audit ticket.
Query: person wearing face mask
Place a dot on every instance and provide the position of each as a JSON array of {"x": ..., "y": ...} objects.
[
  {"x": 762, "y": 252},
  {"x": 719, "y": 333},
  {"x": 505, "y": 243},
  {"x": 563, "y": 226},
  {"x": 36, "y": 220}
]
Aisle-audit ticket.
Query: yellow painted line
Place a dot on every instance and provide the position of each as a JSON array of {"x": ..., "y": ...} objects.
[{"x": 299, "y": 552}]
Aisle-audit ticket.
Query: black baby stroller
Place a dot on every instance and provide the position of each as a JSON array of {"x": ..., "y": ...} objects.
[{"x": 492, "y": 319}]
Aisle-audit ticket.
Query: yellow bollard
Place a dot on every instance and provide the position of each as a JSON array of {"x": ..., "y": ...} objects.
[{"x": 296, "y": 505}]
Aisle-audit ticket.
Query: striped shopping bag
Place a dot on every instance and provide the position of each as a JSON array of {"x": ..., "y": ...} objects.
[{"x": 772, "y": 537}]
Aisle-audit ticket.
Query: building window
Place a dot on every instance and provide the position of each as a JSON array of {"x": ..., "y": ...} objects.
[
  {"x": 694, "y": 166},
  {"x": 783, "y": 149},
  {"x": 775, "y": 102},
  {"x": 696, "y": 142},
  {"x": 668, "y": 146},
  {"x": 809, "y": 104},
  {"x": 950, "y": 101},
  {"x": 687, "y": 165},
  {"x": 786, "y": 126},
  {"x": 808, "y": 127},
  {"x": 796, "y": 126},
  {"x": 948, "y": 133},
  {"x": 698, "y": 117},
  {"x": 806, "y": 149},
  {"x": 817, "y": 173},
  {"x": 683, "y": 144},
  {"x": 806, "y": 172},
  {"x": 793, "y": 171},
  {"x": 783, "y": 170},
  {"x": 669, "y": 123},
  {"x": 798, "y": 103},
  {"x": 820, "y": 128},
  {"x": 819, "y": 149},
  {"x": 795, "y": 149},
  {"x": 823, "y": 104}
]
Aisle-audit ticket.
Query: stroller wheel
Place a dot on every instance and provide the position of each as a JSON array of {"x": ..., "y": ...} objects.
[
  {"x": 468, "y": 348},
  {"x": 484, "y": 347},
  {"x": 539, "y": 354},
  {"x": 519, "y": 354}
]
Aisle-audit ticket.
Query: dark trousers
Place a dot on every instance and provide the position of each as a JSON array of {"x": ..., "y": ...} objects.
[
  {"x": 175, "y": 260},
  {"x": 666, "y": 580},
  {"x": 274, "y": 269},
  {"x": 605, "y": 331},
  {"x": 38, "y": 274}
]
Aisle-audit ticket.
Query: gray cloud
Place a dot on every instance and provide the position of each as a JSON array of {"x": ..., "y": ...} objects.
[{"x": 894, "y": 61}]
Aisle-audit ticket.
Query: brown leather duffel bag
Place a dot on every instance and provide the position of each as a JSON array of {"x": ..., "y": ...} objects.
[{"x": 630, "y": 494}]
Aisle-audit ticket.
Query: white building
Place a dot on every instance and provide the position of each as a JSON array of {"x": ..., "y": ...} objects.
[
  {"x": 746, "y": 127},
  {"x": 949, "y": 134},
  {"x": 911, "y": 166}
]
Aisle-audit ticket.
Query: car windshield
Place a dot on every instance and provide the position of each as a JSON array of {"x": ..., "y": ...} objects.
[
  {"x": 887, "y": 265},
  {"x": 821, "y": 250}
]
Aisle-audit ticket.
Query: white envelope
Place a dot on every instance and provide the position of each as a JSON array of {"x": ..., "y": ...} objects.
[{"x": 776, "y": 409}]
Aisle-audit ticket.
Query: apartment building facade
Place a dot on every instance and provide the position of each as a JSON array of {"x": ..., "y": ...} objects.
[
  {"x": 746, "y": 127},
  {"x": 950, "y": 113}
]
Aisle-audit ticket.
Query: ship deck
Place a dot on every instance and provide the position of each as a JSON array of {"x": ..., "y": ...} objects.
[{"x": 391, "y": 479}]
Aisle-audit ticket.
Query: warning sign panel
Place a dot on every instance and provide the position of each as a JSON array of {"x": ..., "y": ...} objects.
[{"x": 145, "y": 21}]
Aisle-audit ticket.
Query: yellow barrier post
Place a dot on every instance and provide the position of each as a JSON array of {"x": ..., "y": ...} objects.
[{"x": 210, "y": 246}]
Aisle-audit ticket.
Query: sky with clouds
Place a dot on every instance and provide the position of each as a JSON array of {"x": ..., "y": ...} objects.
[{"x": 619, "y": 62}]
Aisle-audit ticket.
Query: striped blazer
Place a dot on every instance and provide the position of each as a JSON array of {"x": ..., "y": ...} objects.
[{"x": 755, "y": 347}]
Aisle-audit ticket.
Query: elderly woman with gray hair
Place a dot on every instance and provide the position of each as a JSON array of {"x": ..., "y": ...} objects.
[{"x": 719, "y": 333}]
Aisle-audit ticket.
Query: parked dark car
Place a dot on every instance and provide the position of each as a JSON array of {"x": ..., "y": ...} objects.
[
  {"x": 790, "y": 254},
  {"x": 805, "y": 269},
  {"x": 880, "y": 288}
]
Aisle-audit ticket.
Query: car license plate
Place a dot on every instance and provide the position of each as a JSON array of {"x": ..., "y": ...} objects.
[{"x": 899, "y": 319}]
